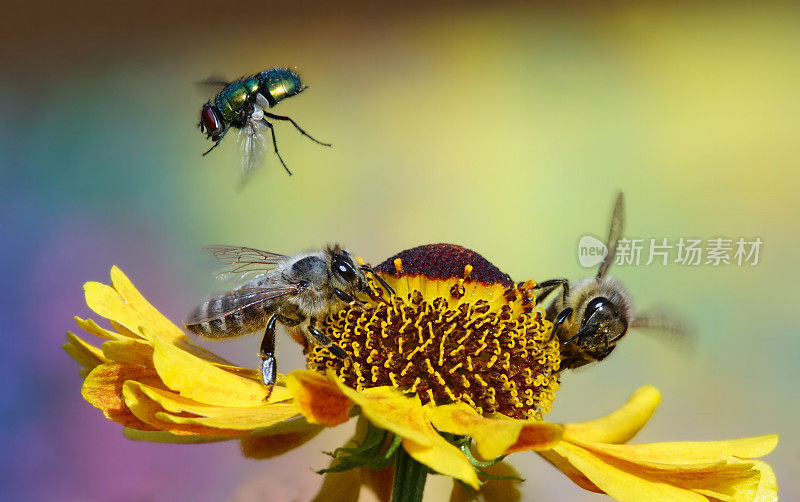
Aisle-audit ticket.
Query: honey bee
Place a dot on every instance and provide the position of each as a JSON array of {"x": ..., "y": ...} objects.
[
  {"x": 293, "y": 290},
  {"x": 591, "y": 316}
]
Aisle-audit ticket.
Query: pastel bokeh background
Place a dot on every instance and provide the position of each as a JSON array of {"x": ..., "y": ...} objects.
[{"x": 507, "y": 130}]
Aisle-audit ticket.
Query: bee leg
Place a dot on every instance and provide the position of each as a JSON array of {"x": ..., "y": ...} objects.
[
  {"x": 551, "y": 285},
  {"x": 562, "y": 317},
  {"x": 321, "y": 339},
  {"x": 348, "y": 299},
  {"x": 283, "y": 117},
  {"x": 368, "y": 268},
  {"x": 268, "y": 366},
  {"x": 275, "y": 143}
]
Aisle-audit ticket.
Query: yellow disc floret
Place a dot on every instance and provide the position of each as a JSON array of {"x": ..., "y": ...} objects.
[{"x": 475, "y": 338}]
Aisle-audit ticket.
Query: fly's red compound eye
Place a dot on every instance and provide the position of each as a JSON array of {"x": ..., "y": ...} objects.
[{"x": 211, "y": 121}]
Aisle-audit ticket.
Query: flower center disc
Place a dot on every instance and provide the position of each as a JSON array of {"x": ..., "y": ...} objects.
[{"x": 475, "y": 338}]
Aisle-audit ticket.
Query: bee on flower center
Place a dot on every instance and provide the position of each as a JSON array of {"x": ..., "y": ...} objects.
[
  {"x": 244, "y": 105},
  {"x": 591, "y": 316},
  {"x": 293, "y": 290}
]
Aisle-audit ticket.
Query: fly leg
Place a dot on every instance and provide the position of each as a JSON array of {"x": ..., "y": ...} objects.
[
  {"x": 321, "y": 339},
  {"x": 217, "y": 141},
  {"x": 275, "y": 143},
  {"x": 283, "y": 117},
  {"x": 268, "y": 365}
]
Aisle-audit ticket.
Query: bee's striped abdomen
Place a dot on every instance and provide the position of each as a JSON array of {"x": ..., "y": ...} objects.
[{"x": 210, "y": 319}]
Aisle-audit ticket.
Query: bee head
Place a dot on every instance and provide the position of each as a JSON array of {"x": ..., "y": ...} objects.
[
  {"x": 605, "y": 310},
  {"x": 345, "y": 271}
]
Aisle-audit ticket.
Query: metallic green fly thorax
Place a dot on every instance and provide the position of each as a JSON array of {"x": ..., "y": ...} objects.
[{"x": 232, "y": 99}]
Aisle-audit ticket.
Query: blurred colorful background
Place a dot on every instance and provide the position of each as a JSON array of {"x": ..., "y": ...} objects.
[{"x": 507, "y": 130}]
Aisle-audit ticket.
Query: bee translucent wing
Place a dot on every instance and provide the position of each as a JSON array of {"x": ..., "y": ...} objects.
[
  {"x": 242, "y": 260},
  {"x": 253, "y": 143},
  {"x": 667, "y": 328},
  {"x": 614, "y": 234},
  {"x": 235, "y": 300}
]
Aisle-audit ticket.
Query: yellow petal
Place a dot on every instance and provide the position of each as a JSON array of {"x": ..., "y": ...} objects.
[
  {"x": 493, "y": 436},
  {"x": 149, "y": 410},
  {"x": 237, "y": 418},
  {"x": 767, "y": 489},
  {"x": 318, "y": 398},
  {"x": 563, "y": 465},
  {"x": 389, "y": 409},
  {"x": 202, "y": 381},
  {"x": 442, "y": 457},
  {"x": 619, "y": 484},
  {"x": 686, "y": 453},
  {"x": 153, "y": 318},
  {"x": 168, "y": 437},
  {"x": 87, "y": 355},
  {"x": 129, "y": 351},
  {"x": 279, "y": 438},
  {"x": 90, "y": 326},
  {"x": 103, "y": 390},
  {"x": 621, "y": 425}
]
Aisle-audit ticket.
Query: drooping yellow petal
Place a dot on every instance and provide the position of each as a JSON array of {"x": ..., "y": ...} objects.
[
  {"x": 442, "y": 457},
  {"x": 685, "y": 453},
  {"x": 680, "y": 471},
  {"x": 767, "y": 489},
  {"x": 103, "y": 390},
  {"x": 202, "y": 381},
  {"x": 85, "y": 354},
  {"x": 272, "y": 441},
  {"x": 389, "y": 409},
  {"x": 621, "y": 425},
  {"x": 318, "y": 398},
  {"x": 493, "y": 436},
  {"x": 620, "y": 484},
  {"x": 563, "y": 465}
]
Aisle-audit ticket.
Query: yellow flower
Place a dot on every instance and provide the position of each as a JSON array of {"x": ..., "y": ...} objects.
[{"x": 415, "y": 392}]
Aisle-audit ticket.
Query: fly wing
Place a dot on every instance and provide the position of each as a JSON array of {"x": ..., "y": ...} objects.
[
  {"x": 242, "y": 260},
  {"x": 235, "y": 300},
  {"x": 253, "y": 143}
]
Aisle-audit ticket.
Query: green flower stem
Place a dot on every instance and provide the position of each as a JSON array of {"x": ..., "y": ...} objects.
[{"x": 409, "y": 478}]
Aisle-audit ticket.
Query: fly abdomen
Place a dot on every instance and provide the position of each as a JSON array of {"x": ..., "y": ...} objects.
[{"x": 222, "y": 318}]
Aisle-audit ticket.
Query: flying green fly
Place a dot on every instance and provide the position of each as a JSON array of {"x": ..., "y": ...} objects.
[{"x": 243, "y": 105}]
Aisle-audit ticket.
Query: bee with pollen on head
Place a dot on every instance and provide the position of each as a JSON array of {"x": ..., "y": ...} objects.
[
  {"x": 293, "y": 290},
  {"x": 592, "y": 315}
]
